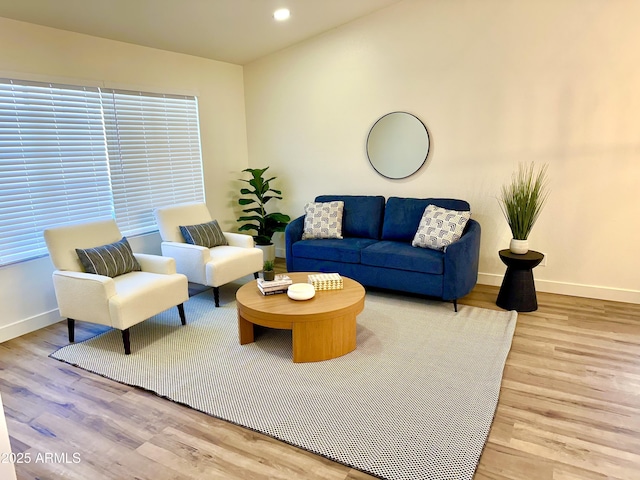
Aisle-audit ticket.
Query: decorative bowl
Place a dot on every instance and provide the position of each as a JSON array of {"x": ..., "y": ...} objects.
[{"x": 301, "y": 291}]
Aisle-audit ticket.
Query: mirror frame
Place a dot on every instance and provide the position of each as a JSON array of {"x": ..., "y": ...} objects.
[{"x": 417, "y": 158}]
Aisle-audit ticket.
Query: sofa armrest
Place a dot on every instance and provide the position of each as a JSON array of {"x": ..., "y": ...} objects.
[
  {"x": 190, "y": 259},
  {"x": 156, "y": 263},
  {"x": 84, "y": 296},
  {"x": 239, "y": 240},
  {"x": 461, "y": 261},
  {"x": 292, "y": 234}
]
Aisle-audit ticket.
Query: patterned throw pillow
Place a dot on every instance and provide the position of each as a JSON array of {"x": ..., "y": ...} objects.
[
  {"x": 323, "y": 220},
  {"x": 109, "y": 260},
  {"x": 206, "y": 234},
  {"x": 439, "y": 227}
]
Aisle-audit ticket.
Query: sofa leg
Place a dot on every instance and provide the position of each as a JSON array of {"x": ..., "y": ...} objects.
[
  {"x": 71, "y": 324},
  {"x": 455, "y": 305},
  {"x": 216, "y": 296},
  {"x": 126, "y": 342},
  {"x": 183, "y": 319}
]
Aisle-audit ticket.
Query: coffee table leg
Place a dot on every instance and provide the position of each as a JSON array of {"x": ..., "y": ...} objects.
[
  {"x": 245, "y": 330},
  {"x": 323, "y": 340}
]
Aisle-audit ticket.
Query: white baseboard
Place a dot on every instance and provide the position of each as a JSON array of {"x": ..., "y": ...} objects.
[
  {"x": 572, "y": 289},
  {"x": 29, "y": 325}
]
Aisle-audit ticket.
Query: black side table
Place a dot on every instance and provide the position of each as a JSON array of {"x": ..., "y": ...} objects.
[{"x": 518, "y": 291}]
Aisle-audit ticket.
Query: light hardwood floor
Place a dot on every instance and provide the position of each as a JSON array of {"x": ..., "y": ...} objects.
[{"x": 569, "y": 409}]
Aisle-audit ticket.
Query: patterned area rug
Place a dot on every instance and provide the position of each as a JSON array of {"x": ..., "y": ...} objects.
[{"x": 415, "y": 400}]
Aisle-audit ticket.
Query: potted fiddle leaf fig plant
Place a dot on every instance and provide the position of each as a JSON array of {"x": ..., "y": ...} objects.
[
  {"x": 521, "y": 202},
  {"x": 263, "y": 224}
]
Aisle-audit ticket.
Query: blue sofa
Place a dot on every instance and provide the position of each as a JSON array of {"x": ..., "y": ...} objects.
[{"x": 376, "y": 248}]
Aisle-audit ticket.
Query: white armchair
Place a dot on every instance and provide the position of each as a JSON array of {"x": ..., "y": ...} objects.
[
  {"x": 119, "y": 302},
  {"x": 214, "y": 266}
]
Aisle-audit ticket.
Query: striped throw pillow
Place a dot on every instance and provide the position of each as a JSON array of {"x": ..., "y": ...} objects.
[
  {"x": 109, "y": 260},
  {"x": 206, "y": 234}
]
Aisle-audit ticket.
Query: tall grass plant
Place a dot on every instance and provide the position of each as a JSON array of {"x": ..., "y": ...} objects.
[{"x": 522, "y": 200}]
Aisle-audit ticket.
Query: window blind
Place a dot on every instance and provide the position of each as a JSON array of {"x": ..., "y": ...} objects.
[
  {"x": 153, "y": 143},
  {"x": 53, "y": 163},
  {"x": 71, "y": 154}
]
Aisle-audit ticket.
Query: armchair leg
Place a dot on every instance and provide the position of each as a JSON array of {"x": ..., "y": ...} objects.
[
  {"x": 125, "y": 340},
  {"x": 183, "y": 319},
  {"x": 71, "y": 323},
  {"x": 216, "y": 296},
  {"x": 455, "y": 305}
]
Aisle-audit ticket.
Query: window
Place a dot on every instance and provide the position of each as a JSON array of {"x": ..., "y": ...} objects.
[
  {"x": 71, "y": 153},
  {"x": 53, "y": 164},
  {"x": 154, "y": 155}
]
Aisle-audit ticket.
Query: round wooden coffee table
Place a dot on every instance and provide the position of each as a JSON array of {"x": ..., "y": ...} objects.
[{"x": 323, "y": 327}]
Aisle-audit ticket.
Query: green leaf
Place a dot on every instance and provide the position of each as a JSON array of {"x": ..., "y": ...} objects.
[
  {"x": 256, "y": 210},
  {"x": 279, "y": 217},
  {"x": 254, "y": 218}
]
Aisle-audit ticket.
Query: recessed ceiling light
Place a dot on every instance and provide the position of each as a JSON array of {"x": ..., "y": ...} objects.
[{"x": 281, "y": 14}]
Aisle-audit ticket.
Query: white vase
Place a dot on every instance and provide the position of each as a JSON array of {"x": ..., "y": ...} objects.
[
  {"x": 268, "y": 252},
  {"x": 519, "y": 247}
]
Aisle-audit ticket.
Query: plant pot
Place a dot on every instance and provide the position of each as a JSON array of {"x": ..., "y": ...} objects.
[
  {"x": 268, "y": 252},
  {"x": 519, "y": 247},
  {"x": 269, "y": 275}
]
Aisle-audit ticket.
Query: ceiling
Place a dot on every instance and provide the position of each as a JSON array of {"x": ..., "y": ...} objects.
[{"x": 234, "y": 31}]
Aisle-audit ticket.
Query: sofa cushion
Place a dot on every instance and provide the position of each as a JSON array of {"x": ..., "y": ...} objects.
[
  {"x": 362, "y": 215},
  {"x": 346, "y": 250},
  {"x": 323, "y": 220},
  {"x": 402, "y": 215},
  {"x": 402, "y": 256},
  {"x": 440, "y": 227}
]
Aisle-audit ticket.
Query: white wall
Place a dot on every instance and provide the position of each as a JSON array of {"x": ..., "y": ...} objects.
[
  {"x": 40, "y": 53},
  {"x": 496, "y": 82}
]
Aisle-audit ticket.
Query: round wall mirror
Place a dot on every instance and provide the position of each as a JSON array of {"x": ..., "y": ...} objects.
[{"x": 398, "y": 145}]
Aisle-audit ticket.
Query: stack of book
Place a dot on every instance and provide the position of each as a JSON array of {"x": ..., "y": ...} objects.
[{"x": 279, "y": 285}]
